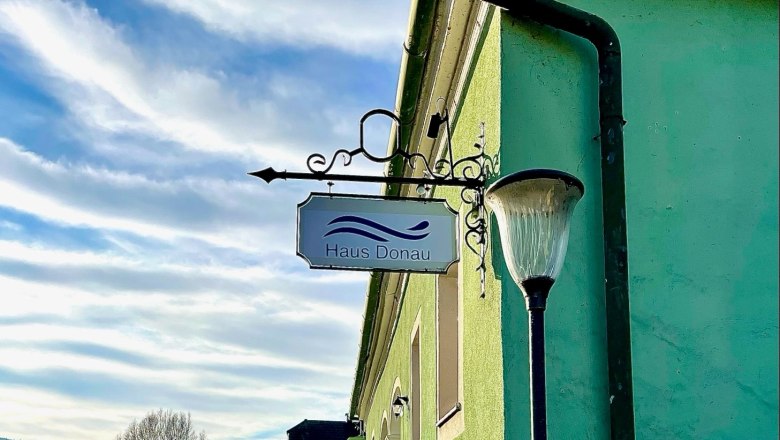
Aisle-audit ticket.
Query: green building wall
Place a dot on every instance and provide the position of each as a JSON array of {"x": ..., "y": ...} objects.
[
  {"x": 701, "y": 150},
  {"x": 549, "y": 118},
  {"x": 701, "y": 101}
]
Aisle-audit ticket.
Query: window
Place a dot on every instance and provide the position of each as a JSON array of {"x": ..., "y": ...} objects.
[
  {"x": 448, "y": 354},
  {"x": 383, "y": 436},
  {"x": 414, "y": 404},
  {"x": 447, "y": 341},
  {"x": 394, "y": 433}
]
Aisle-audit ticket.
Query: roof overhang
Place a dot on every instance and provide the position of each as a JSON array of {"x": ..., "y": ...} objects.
[{"x": 456, "y": 30}]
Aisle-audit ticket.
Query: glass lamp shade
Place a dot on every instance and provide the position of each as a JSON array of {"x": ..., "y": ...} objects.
[{"x": 533, "y": 209}]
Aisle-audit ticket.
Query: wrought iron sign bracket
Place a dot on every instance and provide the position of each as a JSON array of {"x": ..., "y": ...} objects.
[{"x": 469, "y": 173}]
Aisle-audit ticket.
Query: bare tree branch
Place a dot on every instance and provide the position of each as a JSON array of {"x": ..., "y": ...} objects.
[{"x": 162, "y": 425}]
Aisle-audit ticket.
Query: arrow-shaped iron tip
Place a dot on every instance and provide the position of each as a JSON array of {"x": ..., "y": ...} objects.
[{"x": 267, "y": 174}]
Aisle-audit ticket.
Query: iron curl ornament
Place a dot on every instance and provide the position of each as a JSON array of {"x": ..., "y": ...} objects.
[{"x": 469, "y": 173}]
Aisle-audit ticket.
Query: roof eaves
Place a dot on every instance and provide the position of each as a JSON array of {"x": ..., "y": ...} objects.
[{"x": 413, "y": 61}]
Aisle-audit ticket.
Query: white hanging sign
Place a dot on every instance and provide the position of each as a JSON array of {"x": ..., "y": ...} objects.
[{"x": 339, "y": 231}]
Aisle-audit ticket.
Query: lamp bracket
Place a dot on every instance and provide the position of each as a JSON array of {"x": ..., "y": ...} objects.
[
  {"x": 469, "y": 173},
  {"x": 401, "y": 400}
]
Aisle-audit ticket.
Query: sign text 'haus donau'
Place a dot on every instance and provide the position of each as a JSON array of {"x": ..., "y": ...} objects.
[{"x": 337, "y": 231}]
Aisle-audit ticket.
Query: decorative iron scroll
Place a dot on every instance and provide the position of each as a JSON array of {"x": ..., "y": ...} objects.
[{"x": 470, "y": 173}]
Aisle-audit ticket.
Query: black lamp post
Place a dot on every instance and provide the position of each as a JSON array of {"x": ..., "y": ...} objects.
[{"x": 533, "y": 209}]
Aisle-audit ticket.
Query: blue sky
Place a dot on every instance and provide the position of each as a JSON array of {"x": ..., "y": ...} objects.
[{"x": 139, "y": 266}]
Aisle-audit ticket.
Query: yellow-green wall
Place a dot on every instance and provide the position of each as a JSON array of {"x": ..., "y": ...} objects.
[{"x": 483, "y": 388}]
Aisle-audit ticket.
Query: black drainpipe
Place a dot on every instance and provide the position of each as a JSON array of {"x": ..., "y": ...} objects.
[{"x": 604, "y": 38}]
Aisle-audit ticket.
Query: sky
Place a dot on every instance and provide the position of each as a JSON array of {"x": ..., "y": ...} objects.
[{"x": 140, "y": 267}]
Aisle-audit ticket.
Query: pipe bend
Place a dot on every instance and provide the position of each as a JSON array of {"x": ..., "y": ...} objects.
[
  {"x": 618, "y": 321},
  {"x": 575, "y": 21}
]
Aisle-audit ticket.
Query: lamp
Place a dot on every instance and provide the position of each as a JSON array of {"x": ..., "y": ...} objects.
[
  {"x": 398, "y": 405},
  {"x": 533, "y": 209}
]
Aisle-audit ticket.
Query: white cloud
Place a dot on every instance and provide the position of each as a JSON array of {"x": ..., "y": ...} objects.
[
  {"x": 267, "y": 294},
  {"x": 220, "y": 212},
  {"x": 243, "y": 215},
  {"x": 109, "y": 86},
  {"x": 5, "y": 224},
  {"x": 193, "y": 298},
  {"x": 233, "y": 321},
  {"x": 54, "y": 416},
  {"x": 25, "y": 407},
  {"x": 164, "y": 350},
  {"x": 358, "y": 26},
  {"x": 31, "y": 359}
]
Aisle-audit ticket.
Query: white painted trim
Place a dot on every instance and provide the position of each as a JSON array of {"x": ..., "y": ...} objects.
[
  {"x": 385, "y": 426},
  {"x": 395, "y": 422},
  {"x": 415, "y": 410}
]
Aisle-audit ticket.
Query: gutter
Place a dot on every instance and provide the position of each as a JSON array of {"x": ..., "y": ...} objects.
[
  {"x": 372, "y": 303},
  {"x": 410, "y": 81},
  {"x": 604, "y": 38}
]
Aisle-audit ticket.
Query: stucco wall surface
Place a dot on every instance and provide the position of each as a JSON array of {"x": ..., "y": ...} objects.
[{"x": 701, "y": 101}]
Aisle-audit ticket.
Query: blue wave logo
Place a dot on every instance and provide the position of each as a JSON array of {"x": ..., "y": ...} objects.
[{"x": 370, "y": 229}]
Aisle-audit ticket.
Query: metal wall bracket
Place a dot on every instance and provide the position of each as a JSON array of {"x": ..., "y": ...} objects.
[{"x": 470, "y": 173}]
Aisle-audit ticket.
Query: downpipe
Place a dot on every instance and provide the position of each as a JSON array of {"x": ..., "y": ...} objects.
[{"x": 604, "y": 38}]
